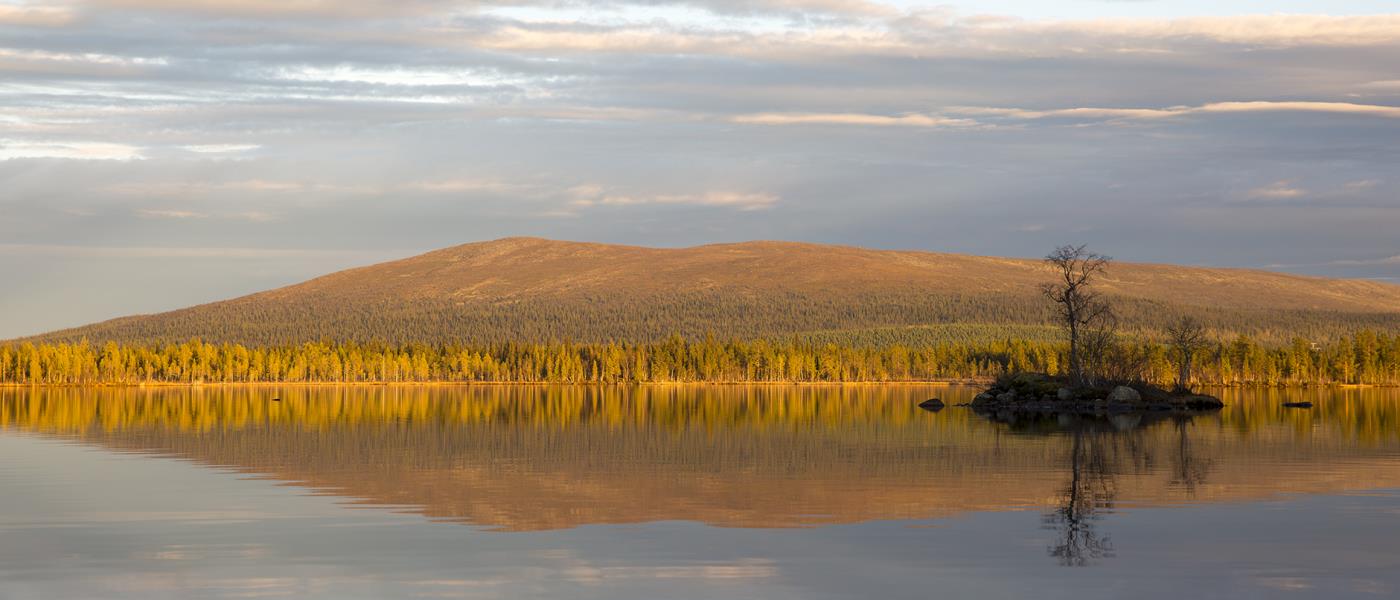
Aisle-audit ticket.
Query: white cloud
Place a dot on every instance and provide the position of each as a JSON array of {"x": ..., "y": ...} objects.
[
  {"x": 1363, "y": 185},
  {"x": 1273, "y": 30},
  {"x": 739, "y": 200},
  {"x": 41, "y": 16},
  {"x": 13, "y": 149},
  {"x": 1384, "y": 261},
  {"x": 15, "y": 57},
  {"x": 927, "y": 33},
  {"x": 585, "y": 196},
  {"x": 159, "y": 213},
  {"x": 1389, "y": 260},
  {"x": 905, "y": 120},
  {"x": 197, "y": 188},
  {"x": 221, "y": 148},
  {"x": 256, "y": 216},
  {"x": 1279, "y": 190},
  {"x": 1344, "y": 108},
  {"x": 345, "y": 73},
  {"x": 74, "y": 251},
  {"x": 1083, "y": 113},
  {"x": 467, "y": 186},
  {"x": 281, "y": 8}
]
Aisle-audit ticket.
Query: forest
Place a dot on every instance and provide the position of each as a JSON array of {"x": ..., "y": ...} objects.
[{"x": 1365, "y": 357}]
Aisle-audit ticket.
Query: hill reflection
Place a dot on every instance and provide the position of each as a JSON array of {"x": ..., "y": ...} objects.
[{"x": 535, "y": 458}]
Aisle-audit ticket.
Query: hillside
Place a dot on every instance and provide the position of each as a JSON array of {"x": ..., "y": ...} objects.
[{"x": 526, "y": 289}]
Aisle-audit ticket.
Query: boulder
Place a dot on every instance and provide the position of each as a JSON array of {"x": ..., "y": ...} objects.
[
  {"x": 1124, "y": 394},
  {"x": 932, "y": 404},
  {"x": 1064, "y": 394},
  {"x": 1006, "y": 397}
]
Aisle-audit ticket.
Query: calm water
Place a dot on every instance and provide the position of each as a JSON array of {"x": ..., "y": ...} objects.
[{"x": 705, "y": 492}]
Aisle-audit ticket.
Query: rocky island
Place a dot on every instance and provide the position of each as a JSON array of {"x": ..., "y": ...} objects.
[{"x": 1040, "y": 393}]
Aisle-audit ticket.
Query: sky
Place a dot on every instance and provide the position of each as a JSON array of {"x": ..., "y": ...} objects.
[{"x": 161, "y": 153}]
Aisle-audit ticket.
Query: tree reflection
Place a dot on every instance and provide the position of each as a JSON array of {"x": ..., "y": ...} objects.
[
  {"x": 1188, "y": 470},
  {"x": 1100, "y": 447},
  {"x": 1090, "y": 489}
]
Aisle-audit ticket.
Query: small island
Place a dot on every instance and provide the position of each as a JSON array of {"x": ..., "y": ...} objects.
[
  {"x": 1101, "y": 379},
  {"x": 1040, "y": 393}
]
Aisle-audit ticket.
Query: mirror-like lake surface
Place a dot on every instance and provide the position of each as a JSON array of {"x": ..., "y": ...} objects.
[{"x": 687, "y": 492}]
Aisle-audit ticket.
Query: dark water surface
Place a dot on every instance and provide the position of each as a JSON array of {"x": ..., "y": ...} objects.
[{"x": 687, "y": 492}]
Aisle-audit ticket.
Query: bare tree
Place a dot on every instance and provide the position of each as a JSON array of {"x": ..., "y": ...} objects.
[
  {"x": 1187, "y": 337},
  {"x": 1100, "y": 355},
  {"x": 1079, "y": 305}
]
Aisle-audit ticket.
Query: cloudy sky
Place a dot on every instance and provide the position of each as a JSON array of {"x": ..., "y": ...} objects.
[{"x": 158, "y": 153}]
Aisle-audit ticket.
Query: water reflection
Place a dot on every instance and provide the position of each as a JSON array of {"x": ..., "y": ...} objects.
[
  {"x": 1090, "y": 489},
  {"x": 544, "y": 458}
]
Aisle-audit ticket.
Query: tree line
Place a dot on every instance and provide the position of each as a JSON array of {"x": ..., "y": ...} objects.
[
  {"x": 1365, "y": 357},
  {"x": 911, "y": 318}
]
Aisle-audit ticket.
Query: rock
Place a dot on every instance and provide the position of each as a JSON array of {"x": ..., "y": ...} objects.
[
  {"x": 1064, "y": 394},
  {"x": 932, "y": 404},
  {"x": 1006, "y": 397},
  {"x": 1124, "y": 394},
  {"x": 983, "y": 399},
  {"x": 1298, "y": 404}
]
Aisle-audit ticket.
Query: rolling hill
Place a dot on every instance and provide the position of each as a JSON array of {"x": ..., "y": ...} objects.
[{"x": 528, "y": 289}]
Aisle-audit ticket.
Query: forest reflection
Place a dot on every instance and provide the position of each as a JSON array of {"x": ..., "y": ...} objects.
[{"x": 521, "y": 458}]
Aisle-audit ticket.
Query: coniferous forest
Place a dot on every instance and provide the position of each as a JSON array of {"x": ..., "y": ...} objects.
[{"x": 1366, "y": 357}]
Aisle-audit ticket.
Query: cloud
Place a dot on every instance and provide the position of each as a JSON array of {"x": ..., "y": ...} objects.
[
  {"x": 1363, "y": 185},
  {"x": 590, "y": 195},
  {"x": 467, "y": 186},
  {"x": 1342, "y": 108},
  {"x": 35, "y": 16},
  {"x": 1088, "y": 114},
  {"x": 157, "y": 213},
  {"x": 136, "y": 252},
  {"x": 199, "y": 188},
  {"x": 400, "y": 76},
  {"x": 1388, "y": 260},
  {"x": 87, "y": 150},
  {"x": 938, "y": 32},
  {"x": 221, "y": 148},
  {"x": 1349, "y": 262},
  {"x": 739, "y": 200},
  {"x": 1279, "y": 190},
  {"x": 1120, "y": 35},
  {"x": 255, "y": 216},
  {"x": 334, "y": 9},
  {"x": 906, "y": 120}
]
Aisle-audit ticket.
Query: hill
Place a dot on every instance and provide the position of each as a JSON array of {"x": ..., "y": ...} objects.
[{"x": 527, "y": 289}]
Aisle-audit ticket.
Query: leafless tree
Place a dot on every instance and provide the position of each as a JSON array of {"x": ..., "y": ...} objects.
[
  {"x": 1102, "y": 357},
  {"x": 1187, "y": 337},
  {"x": 1079, "y": 306}
]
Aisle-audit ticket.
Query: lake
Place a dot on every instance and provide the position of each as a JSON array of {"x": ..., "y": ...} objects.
[{"x": 687, "y": 492}]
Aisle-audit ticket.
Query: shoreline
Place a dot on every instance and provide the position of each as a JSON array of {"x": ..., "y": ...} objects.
[
  {"x": 937, "y": 383},
  {"x": 926, "y": 383}
]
